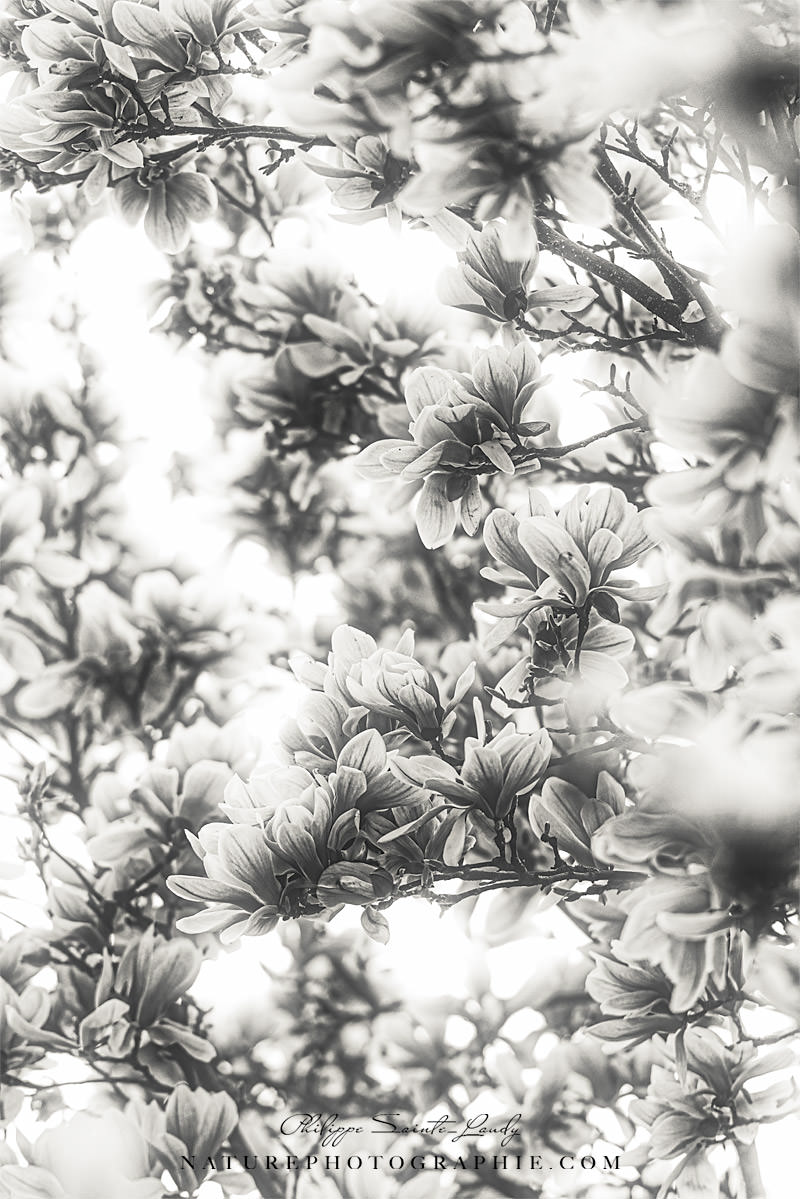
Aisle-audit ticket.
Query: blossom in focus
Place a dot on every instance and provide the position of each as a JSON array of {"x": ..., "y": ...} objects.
[
  {"x": 241, "y": 891},
  {"x": 711, "y": 1101},
  {"x": 634, "y": 999},
  {"x": 169, "y": 201},
  {"x": 298, "y": 843},
  {"x": 564, "y": 561},
  {"x": 490, "y": 282},
  {"x": 495, "y": 774},
  {"x": 365, "y": 179},
  {"x": 572, "y": 817},
  {"x": 462, "y": 425}
]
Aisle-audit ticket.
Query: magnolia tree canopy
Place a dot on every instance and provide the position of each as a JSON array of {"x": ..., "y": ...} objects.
[{"x": 551, "y": 490}]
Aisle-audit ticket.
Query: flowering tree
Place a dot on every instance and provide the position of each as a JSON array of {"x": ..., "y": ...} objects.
[{"x": 573, "y": 473}]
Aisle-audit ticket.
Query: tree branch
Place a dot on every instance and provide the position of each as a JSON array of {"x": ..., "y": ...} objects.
[
  {"x": 557, "y": 243},
  {"x": 682, "y": 286}
]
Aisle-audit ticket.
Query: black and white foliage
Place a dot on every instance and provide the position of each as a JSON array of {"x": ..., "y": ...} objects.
[{"x": 560, "y": 493}]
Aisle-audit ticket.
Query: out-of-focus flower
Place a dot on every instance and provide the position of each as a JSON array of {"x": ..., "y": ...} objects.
[
  {"x": 376, "y": 50},
  {"x": 89, "y": 1156},
  {"x": 24, "y": 1008},
  {"x": 187, "y": 1134},
  {"x": 763, "y": 285},
  {"x": 736, "y": 414},
  {"x": 24, "y": 543},
  {"x": 679, "y": 919},
  {"x": 205, "y": 741},
  {"x": 714, "y": 866},
  {"x": 135, "y": 1005},
  {"x": 149, "y": 824}
]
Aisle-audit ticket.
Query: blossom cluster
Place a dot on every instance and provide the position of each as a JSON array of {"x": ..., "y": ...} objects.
[{"x": 360, "y": 808}]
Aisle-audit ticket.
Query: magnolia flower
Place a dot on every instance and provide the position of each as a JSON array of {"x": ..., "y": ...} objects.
[
  {"x": 121, "y": 844},
  {"x": 79, "y": 50},
  {"x": 365, "y": 178},
  {"x": 636, "y": 998},
  {"x": 710, "y": 1101},
  {"x": 681, "y": 917},
  {"x": 153, "y": 974},
  {"x": 490, "y": 282},
  {"x": 207, "y": 22},
  {"x": 315, "y": 736},
  {"x": 731, "y": 414},
  {"x": 135, "y": 1006},
  {"x": 299, "y": 842},
  {"x": 386, "y": 683},
  {"x": 169, "y": 201},
  {"x": 394, "y": 684},
  {"x": 373, "y": 50},
  {"x": 24, "y": 1009},
  {"x": 24, "y": 541},
  {"x": 509, "y": 154},
  {"x": 89, "y": 1156},
  {"x": 186, "y": 1136},
  {"x": 462, "y": 425},
  {"x": 202, "y": 742},
  {"x": 680, "y": 924},
  {"x": 44, "y": 126},
  {"x": 494, "y": 776},
  {"x": 729, "y": 426},
  {"x": 565, "y": 561},
  {"x": 241, "y": 890},
  {"x": 665, "y": 843},
  {"x": 572, "y": 817}
]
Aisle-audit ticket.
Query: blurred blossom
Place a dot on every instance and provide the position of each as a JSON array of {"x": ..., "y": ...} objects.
[
  {"x": 195, "y": 1124},
  {"x": 89, "y": 1156}
]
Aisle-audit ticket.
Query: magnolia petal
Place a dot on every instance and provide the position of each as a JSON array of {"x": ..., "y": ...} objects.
[
  {"x": 146, "y": 27},
  {"x": 497, "y": 456},
  {"x": 195, "y": 193},
  {"x": 131, "y": 199},
  {"x": 551, "y": 548},
  {"x": 427, "y": 386},
  {"x": 693, "y": 926},
  {"x": 500, "y": 632},
  {"x": 436, "y": 516},
  {"x": 568, "y": 299},
  {"x": 501, "y": 535},
  {"x": 470, "y": 508}
]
